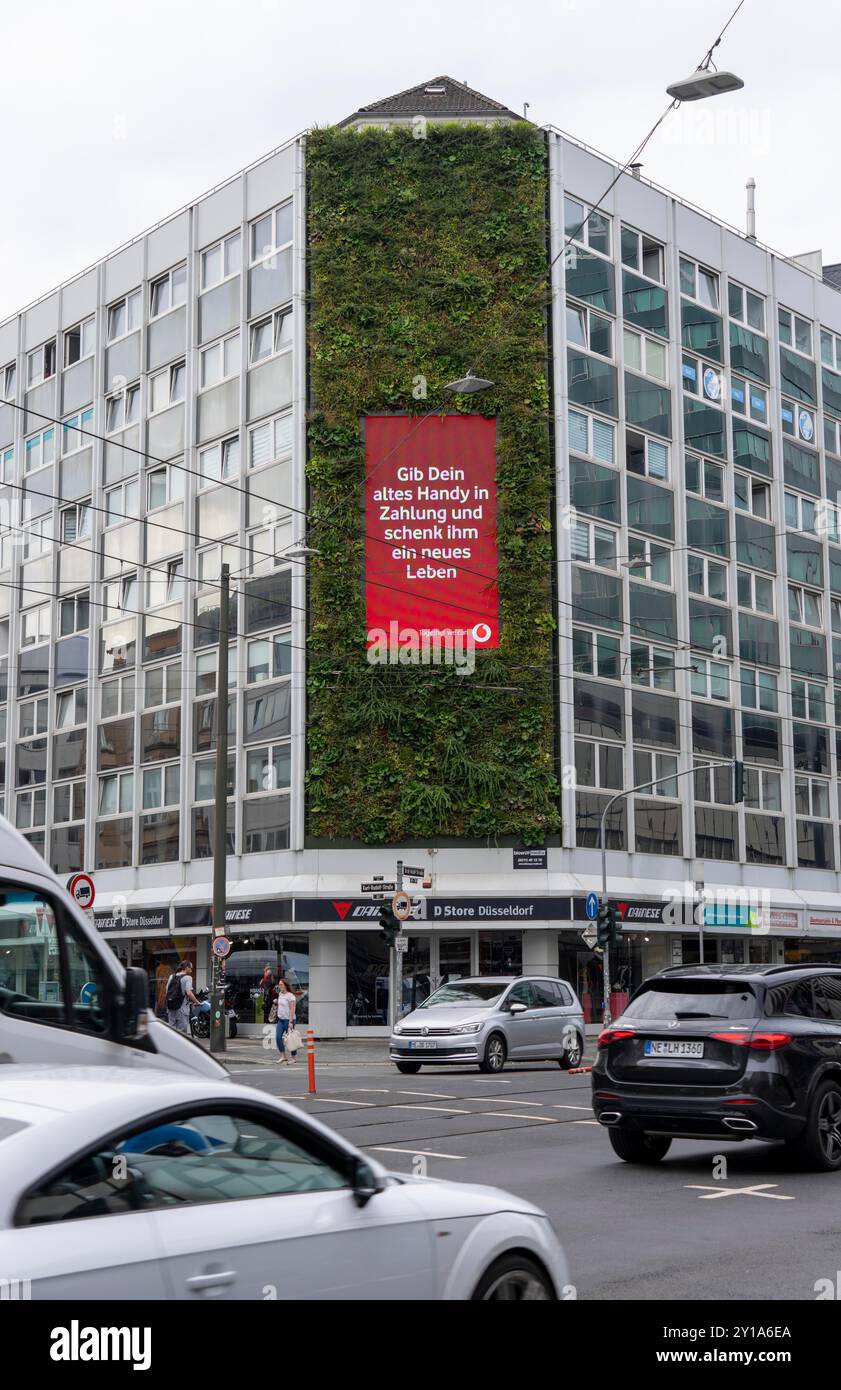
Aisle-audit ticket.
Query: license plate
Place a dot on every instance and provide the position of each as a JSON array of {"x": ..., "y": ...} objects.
[
  {"x": 413, "y": 1046},
  {"x": 673, "y": 1048}
]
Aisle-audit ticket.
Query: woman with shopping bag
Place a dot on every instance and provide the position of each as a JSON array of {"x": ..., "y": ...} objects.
[{"x": 287, "y": 1037}]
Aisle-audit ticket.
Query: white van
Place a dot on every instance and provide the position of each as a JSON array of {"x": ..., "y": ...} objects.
[{"x": 64, "y": 996}]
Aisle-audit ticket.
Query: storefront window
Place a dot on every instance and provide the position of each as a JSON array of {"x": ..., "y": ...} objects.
[
  {"x": 367, "y": 984},
  {"x": 500, "y": 953},
  {"x": 251, "y": 990},
  {"x": 416, "y": 977},
  {"x": 454, "y": 961}
]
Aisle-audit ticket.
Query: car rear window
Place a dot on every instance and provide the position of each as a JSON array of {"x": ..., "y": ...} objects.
[{"x": 673, "y": 999}]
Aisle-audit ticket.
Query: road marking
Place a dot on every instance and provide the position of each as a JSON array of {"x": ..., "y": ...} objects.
[
  {"x": 757, "y": 1189},
  {"x": 368, "y": 1104},
  {"x": 371, "y": 1090},
  {"x": 427, "y": 1153},
  {"x": 572, "y": 1107},
  {"x": 438, "y": 1109},
  {"x": 511, "y": 1115},
  {"x": 511, "y": 1101},
  {"x": 587, "y": 1122},
  {"x": 435, "y": 1095},
  {"x": 492, "y": 1081}
]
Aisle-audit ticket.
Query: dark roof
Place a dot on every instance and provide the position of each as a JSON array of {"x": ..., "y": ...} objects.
[
  {"x": 454, "y": 102},
  {"x": 832, "y": 276},
  {"x": 715, "y": 971}
]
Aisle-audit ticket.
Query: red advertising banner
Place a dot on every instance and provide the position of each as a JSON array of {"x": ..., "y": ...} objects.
[{"x": 430, "y": 525}]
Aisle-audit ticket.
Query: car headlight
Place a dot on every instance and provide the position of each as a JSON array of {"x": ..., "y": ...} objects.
[
  {"x": 468, "y": 1028},
  {"x": 398, "y": 1028}
]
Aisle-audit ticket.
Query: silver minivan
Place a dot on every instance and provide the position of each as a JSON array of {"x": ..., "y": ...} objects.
[{"x": 489, "y": 1020}]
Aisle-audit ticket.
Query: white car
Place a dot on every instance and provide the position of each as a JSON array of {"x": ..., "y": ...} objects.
[{"x": 122, "y": 1184}]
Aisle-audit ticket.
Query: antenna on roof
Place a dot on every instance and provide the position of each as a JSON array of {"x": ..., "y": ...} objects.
[
  {"x": 526, "y": 105},
  {"x": 751, "y": 209}
]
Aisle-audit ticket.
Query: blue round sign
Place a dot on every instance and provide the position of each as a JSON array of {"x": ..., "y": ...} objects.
[
  {"x": 712, "y": 384},
  {"x": 221, "y": 946},
  {"x": 592, "y": 906}
]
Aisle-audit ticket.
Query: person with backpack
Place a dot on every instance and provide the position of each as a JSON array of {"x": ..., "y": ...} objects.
[{"x": 179, "y": 997}]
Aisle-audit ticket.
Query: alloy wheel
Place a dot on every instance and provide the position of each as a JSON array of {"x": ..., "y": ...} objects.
[
  {"x": 518, "y": 1286},
  {"x": 829, "y": 1125}
]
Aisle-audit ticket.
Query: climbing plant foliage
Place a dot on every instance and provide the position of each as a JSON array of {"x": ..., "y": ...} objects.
[{"x": 428, "y": 256}]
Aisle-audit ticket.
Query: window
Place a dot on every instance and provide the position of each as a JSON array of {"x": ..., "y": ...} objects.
[
  {"x": 832, "y": 435},
  {"x": 33, "y": 718},
  {"x": 795, "y": 332},
  {"x": 124, "y": 316},
  {"x": 755, "y": 591},
  {"x": 68, "y": 802},
  {"x": 38, "y": 538},
  {"x": 270, "y": 336},
  {"x": 116, "y": 794},
  {"x": 706, "y": 577},
  {"x": 164, "y": 485},
  {"x": 161, "y": 787},
  {"x": 746, "y": 307},
  {"x": 713, "y": 783},
  {"x": 801, "y": 513},
  {"x": 643, "y": 254},
  {"x": 763, "y": 790},
  {"x": 710, "y": 679},
  {"x": 645, "y": 355},
  {"x": 219, "y": 461},
  {"x": 162, "y": 685},
  {"x": 648, "y": 457},
  {"x": 271, "y": 231},
  {"x": 759, "y": 689},
  {"x": 210, "y": 560},
  {"x": 35, "y": 625},
  {"x": 702, "y": 379},
  {"x": 704, "y": 478},
  {"x": 598, "y": 765},
  {"x": 649, "y": 561},
  {"x": 76, "y": 431},
  {"x": 167, "y": 291},
  {"x": 74, "y": 614},
  {"x": 749, "y": 400},
  {"x": 71, "y": 708},
  {"x": 808, "y": 701},
  {"x": 221, "y": 260},
  {"x": 805, "y": 606},
  {"x": 586, "y": 226},
  {"x": 652, "y": 666},
  {"x": 797, "y": 420},
  {"x": 79, "y": 342},
  {"x": 592, "y": 544},
  {"x": 39, "y": 449},
  {"x": 830, "y": 349},
  {"x": 270, "y": 441},
  {"x": 117, "y": 696},
  {"x": 587, "y": 329},
  {"x": 122, "y": 502},
  {"x": 123, "y": 409},
  {"x": 267, "y": 769},
  {"x": 589, "y": 435},
  {"x": 165, "y": 583},
  {"x": 40, "y": 364},
  {"x": 8, "y": 377},
  {"x": 698, "y": 283},
  {"x": 205, "y": 778},
  {"x": 650, "y": 767},
  {"x": 752, "y": 495},
  {"x": 75, "y": 523},
  {"x": 31, "y": 808},
  {"x": 595, "y": 653},
  {"x": 7, "y": 464},
  {"x": 268, "y": 657},
  {"x": 811, "y": 796},
  {"x": 219, "y": 361},
  {"x": 167, "y": 387}
]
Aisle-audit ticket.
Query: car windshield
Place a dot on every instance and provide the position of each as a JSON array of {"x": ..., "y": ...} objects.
[
  {"x": 474, "y": 992},
  {"x": 688, "y": 999}
]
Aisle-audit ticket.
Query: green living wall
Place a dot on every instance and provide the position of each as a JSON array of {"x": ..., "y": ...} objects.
[{"x": 428, "y": 256}]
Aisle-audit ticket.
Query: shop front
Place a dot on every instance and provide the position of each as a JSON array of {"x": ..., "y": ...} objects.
[{"x": 141, "y": 937}]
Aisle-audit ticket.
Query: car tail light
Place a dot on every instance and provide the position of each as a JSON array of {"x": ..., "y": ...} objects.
[
  {"x": 757, "y": 1042},
  {"x": 612, "y": 1035}
]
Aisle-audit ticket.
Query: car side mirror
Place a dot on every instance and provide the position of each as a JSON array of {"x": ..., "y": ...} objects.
[
  {"x": 364, "y": 1182},
  {"x": 133, "y": 1015},
  {"x": 518, "y": 1008}
]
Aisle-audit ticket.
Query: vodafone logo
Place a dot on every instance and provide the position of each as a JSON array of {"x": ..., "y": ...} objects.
[
  {"x": 342, "y": 909},
  {"x": 481, "y": 633}
]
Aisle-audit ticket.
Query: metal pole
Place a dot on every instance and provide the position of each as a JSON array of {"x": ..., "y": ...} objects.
[
  {"x": 220, "y": 815},
  {"x": 606, "y": 956},
  {"x": 398, "y": 955}
]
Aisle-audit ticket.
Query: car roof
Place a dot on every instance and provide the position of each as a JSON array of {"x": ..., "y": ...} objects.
[
  {"x": 41, "y": 1091},
  {"x": 792, "y": 970},
  {"x": 496, "y": 979}
]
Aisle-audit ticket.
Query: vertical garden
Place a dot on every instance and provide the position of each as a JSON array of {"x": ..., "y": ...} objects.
[{"x": 426, "y": 257}]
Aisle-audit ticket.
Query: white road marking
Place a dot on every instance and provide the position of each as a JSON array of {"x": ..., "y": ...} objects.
[
  {"x": 438, "y": 1109},
  {"x": 756, "y": 1190},
  {"x": 587, "y": 1122},
  {"x": 435, "y": 1095},
  {"x": 371, "y": 1090},
  {"x": 331, "y": 1100},
  {"x": 572, "y": 1107},
  {"x": 511, "y": 1115},
  {"x": 511, "y": 1101},
  {"x": 427, "y": 1153}
]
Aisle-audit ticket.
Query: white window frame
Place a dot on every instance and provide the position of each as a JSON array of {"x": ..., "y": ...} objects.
[
  {"x": 173, "y": 485},
  {"x": 646, "y": 548},
  {"x": 703, "y": 465},
  {"x": 83, "y": 522},
  {"x": 168, "y": 796},
  {"x": 814, "y": 700},
  {"x": 793, "y": 322},
  {"x": 119, "y": 595},
  {"x": 38, "y": 536},
  {"x": 653, "y": 678},
  {"x": 81, "y": 595},
  {"x": 276, "y": 320},
  {"x": 35, "y": 797},
  {"x": 72, "y": 426},
  {"x": 756, "y": 579},
  {"x": 746, "y": 408},
  {"x": 71, "y": 697},
  {"x": 170, "y": 378},
  {"x": 284, "y": 419},
  {"x": 581, "y": 224},
  {"x": 282, "y": 636},
  {"x": 595, "y": 660},
  {"x": 698, "y": 268},
  {"x": 708, "y": 376},
  {"x": 585, "y": 313},
  {"x": 218, "y": 554},
  {"x": 125, "y": 514},
  {"x": 267, "y": 546},
  {"x": 742, "y": 316},
  {"x": 802, "y": 425},
  {"x": 228, "y": 465},
  {"x": 40, "y": 707},
  {"x": 709, "y": 675},
  {"x": 592, "y": 532},
  {"x": 172, "y": 671},
  {"x": 834, "y": 348},
  {"x": 40, "y": 616},
  {"x": 222, "y": 246},
  {"x": 173, "y": 285},
  {"x": 659, "y": 765},
  {"x": 717, "y": 776},
  {"x": 757, "y": 487},
  {"x": 10, "y": 377},
  {"x": 642, "y": 238},
  {"x": 799, "y": 591},
  {"x": 129, "y": 399},
  {"x": 756, "y": 672},
  {"x": 76, "y": 788},
  {"x": 278, "y": 753},
  {"x": 86, "y": 329},
  {"x": 37, "y": 362},
  {"x": 606, "y": 429},
  {"x": 46, "y": 443},
  {"x": 127, "y": 685},
  {"x": 758, "y": 794},
  {"x": 646, "y": 344},
  {"x": 802, "y": 507},
  {"x": 124, "y": 780},
  {"x": 263, "y": 253},
  {"x": 223, "y": 349},
  {"x": 812, "y": 785},
  {"x": 603, "y": 750},
  {"x": 132, "y": 306},
  {"x": 707, "y": 563}
]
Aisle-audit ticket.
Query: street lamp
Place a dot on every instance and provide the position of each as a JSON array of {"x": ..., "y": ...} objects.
[{"x": 468, "y": 385}]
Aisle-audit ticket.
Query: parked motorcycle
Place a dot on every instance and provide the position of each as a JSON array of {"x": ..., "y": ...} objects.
[{"x": 200, "y": 1015}]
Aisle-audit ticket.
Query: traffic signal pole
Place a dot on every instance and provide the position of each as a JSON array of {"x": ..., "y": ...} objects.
[
  {"x": 220, "y": 815},
  {"x": 738, "y": 795},
  {"x": 398, "y": 955}
]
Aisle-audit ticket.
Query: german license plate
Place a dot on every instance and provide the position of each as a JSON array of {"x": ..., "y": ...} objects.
[
  {"x": 673, "y": 1048},
  {"x": 416, "y": 1044}
]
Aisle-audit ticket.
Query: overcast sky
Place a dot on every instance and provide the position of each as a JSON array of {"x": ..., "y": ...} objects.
[{"x": 116, "y": 114}]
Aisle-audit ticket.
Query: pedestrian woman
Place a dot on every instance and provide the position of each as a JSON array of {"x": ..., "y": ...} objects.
[
  {"x": 285, "y": 1002},
  {"x": 266, "y": 988}
]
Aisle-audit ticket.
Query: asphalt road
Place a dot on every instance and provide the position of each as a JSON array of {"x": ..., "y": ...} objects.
[{"x": 673, "y": 1232}]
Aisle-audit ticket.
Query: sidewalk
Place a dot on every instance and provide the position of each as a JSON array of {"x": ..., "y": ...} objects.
[{"x": 340, "y": 1052}]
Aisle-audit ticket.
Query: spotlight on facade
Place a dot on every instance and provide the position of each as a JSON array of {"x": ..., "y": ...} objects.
[
  {"x": 468, "y": 385},
  {"x": 704, "y": 83}
]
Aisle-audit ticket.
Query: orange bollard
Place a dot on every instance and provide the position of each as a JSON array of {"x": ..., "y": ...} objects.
[{"x": 311, "y": 1061}]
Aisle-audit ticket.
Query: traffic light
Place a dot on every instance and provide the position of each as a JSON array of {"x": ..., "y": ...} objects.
[
  {"x": 389, "y": 926},
  {"x": 738, "y": 782},
  {"x": 608, "y": 927}
]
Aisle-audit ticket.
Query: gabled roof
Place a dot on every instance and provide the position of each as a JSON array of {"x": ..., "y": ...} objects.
[{"x": 441, "y": 98}]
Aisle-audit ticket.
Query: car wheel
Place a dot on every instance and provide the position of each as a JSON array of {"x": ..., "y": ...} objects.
[
  {"x": 408, "y": 1068},
  {"x": 514, "y": 1279},
  {"x": 573, "y": 1053},
  {"x": 634, "y": 1147},
  {"x": 495, "y": 1054},
  {"x": 819, "y": 1146}
]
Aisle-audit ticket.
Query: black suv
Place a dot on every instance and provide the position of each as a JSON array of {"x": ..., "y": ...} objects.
[{"x": 718, "y": 1052}]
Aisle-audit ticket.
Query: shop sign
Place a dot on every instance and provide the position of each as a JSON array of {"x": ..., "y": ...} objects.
[
  {"x": 633, "y": 912},
  {"x": 350, "y": 910},
  {"x": 245, "y": 914},
  {"x": 823, "y": 924},
  {"x": 133, "y": 919},
  {"x": 531, "y": 858},
  {"x": 779, "y": 920},
  {"x": 514, "y": 909}
]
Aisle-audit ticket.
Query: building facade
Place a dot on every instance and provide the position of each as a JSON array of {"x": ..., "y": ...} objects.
[{"x": 669, "y": 417}]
